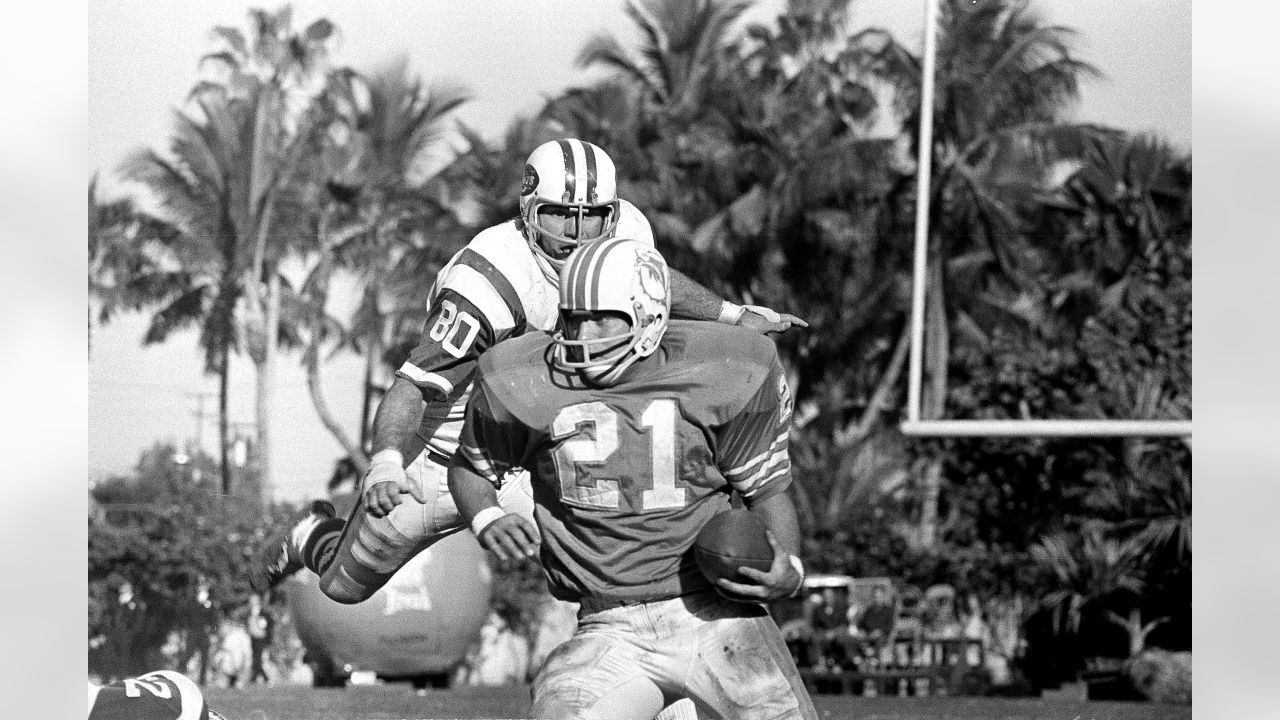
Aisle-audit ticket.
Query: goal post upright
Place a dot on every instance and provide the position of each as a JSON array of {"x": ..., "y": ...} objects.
[
  {"x": 924, "y": 174},
  {"x": 914, "y": 425}
]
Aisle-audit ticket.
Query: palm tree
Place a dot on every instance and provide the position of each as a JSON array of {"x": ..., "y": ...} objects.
[
  {"x": 180, "y": 265},
  {"x": 682, "y": 44},
  {"x": 1093, "y": 571},
  {"x": 372, "y": 198},
  {"x": 260, "y": 113},
  {"x": 1003, "y": 79}
]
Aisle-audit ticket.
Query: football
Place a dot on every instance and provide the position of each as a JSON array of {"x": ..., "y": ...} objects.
[{"x": 730, "y": 540}]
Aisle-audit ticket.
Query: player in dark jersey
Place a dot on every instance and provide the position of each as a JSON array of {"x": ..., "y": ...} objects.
[
  {"x": 502, "y": 285},
  {"x": 637, "y": 430},
  {"x": 159, "y": 695}
]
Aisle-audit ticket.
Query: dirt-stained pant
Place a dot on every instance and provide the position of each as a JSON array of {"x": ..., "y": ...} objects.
[{"x": 625, "y": 662}]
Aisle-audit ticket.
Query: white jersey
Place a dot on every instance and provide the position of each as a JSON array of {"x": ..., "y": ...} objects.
[{"x": 491, "y": 290}]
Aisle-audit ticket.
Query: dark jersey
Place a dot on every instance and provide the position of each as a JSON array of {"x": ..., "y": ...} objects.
[
  {"x": 624, "y": 477},
  {"x": 159, "y": 695}
]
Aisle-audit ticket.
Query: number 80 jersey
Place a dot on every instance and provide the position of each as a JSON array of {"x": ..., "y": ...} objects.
[
  {"x": 491, "y": 290},
  {"x": 624, "y": 477}
]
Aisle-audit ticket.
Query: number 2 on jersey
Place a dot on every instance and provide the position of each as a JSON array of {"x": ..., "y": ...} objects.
[{"x": 659, "y": 418}]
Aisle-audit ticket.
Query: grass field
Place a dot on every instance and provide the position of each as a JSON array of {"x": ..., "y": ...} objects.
[{"x": 399, "y": 702}]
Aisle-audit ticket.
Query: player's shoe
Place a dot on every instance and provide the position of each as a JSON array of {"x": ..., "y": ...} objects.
[{"x": 281, "y": 553}]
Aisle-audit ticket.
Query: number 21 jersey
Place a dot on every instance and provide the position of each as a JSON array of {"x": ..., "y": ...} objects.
[{"x": 624, "y": 477}]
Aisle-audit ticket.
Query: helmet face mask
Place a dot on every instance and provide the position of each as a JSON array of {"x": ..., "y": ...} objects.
[
  {"x": 559, "y": 228},
  {"x": 568, "y": 198},
  {"x": 614, "y": 306},
  {"x": 594, "y": 339}
]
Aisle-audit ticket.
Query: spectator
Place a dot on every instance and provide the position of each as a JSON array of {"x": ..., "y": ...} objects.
[
  {"x": 260, "y": 624},
  {"x": 232, "y": 660},
  {"x": 940, "y": 621},
  {"x": 502, "y": 657},
  {"x": 876, "y": 622},
  {"x": 975, "y": 627}
]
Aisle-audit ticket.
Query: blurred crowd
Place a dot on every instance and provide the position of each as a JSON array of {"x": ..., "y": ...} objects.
[
  {"x": 252, "y": 643},
  {"x": 895, "y": 627}
]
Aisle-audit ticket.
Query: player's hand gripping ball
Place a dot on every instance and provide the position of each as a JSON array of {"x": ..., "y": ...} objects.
[{"x": 730, "y": 540}]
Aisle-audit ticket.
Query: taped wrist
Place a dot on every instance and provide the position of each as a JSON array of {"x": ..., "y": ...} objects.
[
  {"x": 387, "y": 456},
  {"x": 484, "y": 518},
  {"x": 730, "y": 313}
]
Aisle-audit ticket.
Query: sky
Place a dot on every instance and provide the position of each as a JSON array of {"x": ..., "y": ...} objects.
[{"x": 142, "y": 58}]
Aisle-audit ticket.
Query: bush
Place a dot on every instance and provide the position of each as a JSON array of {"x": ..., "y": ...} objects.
[
  {"x": 167, "y": 557},
  {"x": 1163, "y": 676}
]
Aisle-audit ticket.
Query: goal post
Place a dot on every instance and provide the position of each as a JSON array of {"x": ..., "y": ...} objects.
[{"x": 914, "y": 425}]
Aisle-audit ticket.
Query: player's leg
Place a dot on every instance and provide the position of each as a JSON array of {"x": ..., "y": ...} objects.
[
  {"x": 356, "y": 557},
  {"x": 732, "y": 661},
  {"x": 356, "y": 562},
  {"x": 283, "y": 552},
  {"x": 596, "y": 675}
]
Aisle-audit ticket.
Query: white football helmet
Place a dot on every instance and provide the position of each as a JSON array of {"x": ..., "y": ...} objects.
[
  {"x": 617, "y": 275},
  {"x": 576, "y": 178}
]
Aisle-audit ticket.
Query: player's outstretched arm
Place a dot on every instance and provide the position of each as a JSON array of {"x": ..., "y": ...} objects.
[
  {"x": 395, "y": 422},
  {"x": 692, "y": 301},
  {"x": 507, "y": 536},
  {"x": 785, "y": 576}
]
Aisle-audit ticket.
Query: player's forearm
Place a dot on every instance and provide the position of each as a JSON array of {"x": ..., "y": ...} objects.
[
  {"x": 471, "y": 491},
  {"x": 692, "y": 301},
  {"x": 398, "y": 416},
  {"x": 778, "y": 514}
]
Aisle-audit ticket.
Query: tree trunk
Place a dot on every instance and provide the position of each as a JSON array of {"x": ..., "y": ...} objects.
[
  {"x": 224, "y": 440},
  {"x": 314, "y": 388},
  {"x": 937, "y": 354},
  {"x": 1136, "y": 629},
  {"x": 266, "y": 384},
  {"x": 371, "y": 360},
  {"x": 847, "y": 440}
]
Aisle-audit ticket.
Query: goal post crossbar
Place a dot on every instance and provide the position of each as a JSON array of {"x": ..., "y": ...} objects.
[
  {"x": 914, "y": 425},
  {"x": 1047, "y": 428}
]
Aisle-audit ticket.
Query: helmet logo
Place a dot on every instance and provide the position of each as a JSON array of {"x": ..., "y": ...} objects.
[
  {"x": 649, "y": 269},
  {"x": 530, "y": 180}
]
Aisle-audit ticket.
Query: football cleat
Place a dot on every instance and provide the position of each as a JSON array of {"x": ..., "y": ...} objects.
[{"x": 281, "y": 553}]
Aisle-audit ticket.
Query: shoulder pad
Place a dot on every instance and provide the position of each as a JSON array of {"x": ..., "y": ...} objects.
[{"x": 633, "y": 224}]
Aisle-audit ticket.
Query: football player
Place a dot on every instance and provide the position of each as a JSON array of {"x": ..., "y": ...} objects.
[
  {"x": 158, "y": 695},
  {"x": 637, "y": 430},
  {"x": 502, "y": 285}
]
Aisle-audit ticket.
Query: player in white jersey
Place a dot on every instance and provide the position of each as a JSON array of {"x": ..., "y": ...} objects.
[{"x": 502, "y": 284}]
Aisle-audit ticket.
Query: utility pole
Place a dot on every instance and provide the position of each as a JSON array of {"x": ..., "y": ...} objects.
[{"x": 199, "y": 414}]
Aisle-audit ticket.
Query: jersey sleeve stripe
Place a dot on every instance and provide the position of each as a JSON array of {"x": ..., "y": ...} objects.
[
  {"x": 422, "y": 377},
  {"x": 778, "y": 466},
  {"x": 475, "y": 286},
  {"x": 745, "y": 467},
  {"x": 777, "y": 456},
  {"x": 481, "y": 463},
  {"x": 497, "y": 280}
]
